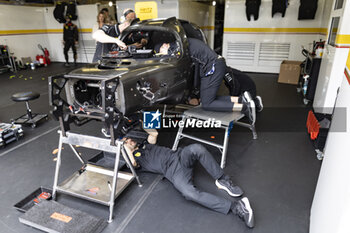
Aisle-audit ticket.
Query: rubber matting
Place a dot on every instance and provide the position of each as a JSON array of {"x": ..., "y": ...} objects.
[{"x": 53, "y": 217}]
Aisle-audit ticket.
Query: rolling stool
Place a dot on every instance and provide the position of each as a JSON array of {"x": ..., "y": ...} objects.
[{"x": 30, "y": 118}]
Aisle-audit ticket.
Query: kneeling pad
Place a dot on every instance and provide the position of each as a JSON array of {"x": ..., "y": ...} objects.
[{"x": 51, "y": 216}]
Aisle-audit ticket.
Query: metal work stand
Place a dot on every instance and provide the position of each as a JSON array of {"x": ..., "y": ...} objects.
[
  {"x": 109, "y": 183},
  {"x": 228, "y": 119}
]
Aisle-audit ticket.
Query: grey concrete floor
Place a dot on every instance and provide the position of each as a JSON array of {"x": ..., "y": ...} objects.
[{"x": 278, "y": 171}]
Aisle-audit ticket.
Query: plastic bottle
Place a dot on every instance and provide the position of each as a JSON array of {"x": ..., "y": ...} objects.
[{"x": 306, "y": 81}]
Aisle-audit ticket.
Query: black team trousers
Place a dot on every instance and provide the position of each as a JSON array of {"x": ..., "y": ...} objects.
[
  {"x": 180, "y": 172},
  {"x": 67, "y": 45},
  {"x": 209, "y": 87}
]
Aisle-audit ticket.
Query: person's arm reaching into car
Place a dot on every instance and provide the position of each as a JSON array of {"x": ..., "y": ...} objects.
[{"x": 102, "y": 37}]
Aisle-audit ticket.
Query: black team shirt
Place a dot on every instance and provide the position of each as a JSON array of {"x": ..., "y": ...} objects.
[
  {"x": 203, "y": 54},
  {"x": 153, "y": 158},
  {"x": 113, "y": 31}
]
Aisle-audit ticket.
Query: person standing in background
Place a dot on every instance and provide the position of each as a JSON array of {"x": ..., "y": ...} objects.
[
  {"x": 108, "y": 17},
  {"x": 101, "y": 20},
  {"x": 70, "y": 39}
]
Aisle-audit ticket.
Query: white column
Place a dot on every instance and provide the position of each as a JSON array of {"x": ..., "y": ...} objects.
[{"x": 330, "y": 211}]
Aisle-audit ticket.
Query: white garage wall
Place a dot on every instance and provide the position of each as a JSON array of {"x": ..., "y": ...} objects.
[
  {"x": 325, "y": 19},
  {"x": 22, "y": 28},
  {"x": 330, "y": 210},
  {"x": 201, "y": 14},
  {"x": 261, "y": 45},
  {"x": 86, "y": 19},
  {"x": 166, "y": 8}
]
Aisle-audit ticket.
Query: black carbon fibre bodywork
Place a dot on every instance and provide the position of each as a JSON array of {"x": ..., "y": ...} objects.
[{"x": 126, "y": 82}]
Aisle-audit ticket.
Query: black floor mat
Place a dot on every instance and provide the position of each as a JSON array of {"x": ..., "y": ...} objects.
[{"x": 50, "y": 216}]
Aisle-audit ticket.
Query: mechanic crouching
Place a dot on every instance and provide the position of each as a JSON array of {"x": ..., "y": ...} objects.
[
  {"x": 177, "y": 167},
  {"x": 212, "y": 71}
]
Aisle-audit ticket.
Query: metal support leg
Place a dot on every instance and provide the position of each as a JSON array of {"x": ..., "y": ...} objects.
[
  {"x": 77, "y": 154},
  {"x": 224, "y": 150},
  {"x": 29, "y": 111},
  {"x": 127, "y": 160},
  {"x": 250, "y": 126},
  {"x": 114, "y": 183},
  {"x": 178, "y": 135},
  {"x": 58, "y": 165}
]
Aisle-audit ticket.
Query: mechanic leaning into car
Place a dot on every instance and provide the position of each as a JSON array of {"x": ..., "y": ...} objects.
[
  {"x": 177, "y": 167},
  {"x": 212, "y": 71},
  {"x": 108, "y": 34}
]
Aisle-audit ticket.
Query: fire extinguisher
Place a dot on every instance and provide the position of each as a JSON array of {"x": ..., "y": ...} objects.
[
  {"x": 318, "y": 49},
  {"x": 40, "y": 59}
]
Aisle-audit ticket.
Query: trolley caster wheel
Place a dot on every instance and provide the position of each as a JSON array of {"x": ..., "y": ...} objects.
[
  {"x": 33, "y": 126},
  {"x": 306, "y": 102}
]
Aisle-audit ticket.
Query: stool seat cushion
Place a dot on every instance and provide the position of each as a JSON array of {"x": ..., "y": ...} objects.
[{"x": 25, "y": 96}]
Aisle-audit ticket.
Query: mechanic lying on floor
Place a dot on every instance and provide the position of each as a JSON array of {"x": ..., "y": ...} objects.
[{"x": 177, "y": 167}]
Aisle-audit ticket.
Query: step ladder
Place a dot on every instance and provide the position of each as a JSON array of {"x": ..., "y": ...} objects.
[
  {"x": 110, "y": 183},
  {"x": 228, "y": 119}
]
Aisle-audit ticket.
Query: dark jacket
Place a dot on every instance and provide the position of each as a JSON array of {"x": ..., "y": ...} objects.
[
  {"x": 113, "y": 31},
  {"x": 70, "y": 32},
  {"x": 203, "y": 54}
]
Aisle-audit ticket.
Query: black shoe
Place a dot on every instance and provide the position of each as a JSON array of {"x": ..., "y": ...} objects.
[
  {"x": 258, "y": 104},
  {"x": 229, "y": 187},
  {"x": 244, "y": 211},
  {"x": 249, "y": 111}
]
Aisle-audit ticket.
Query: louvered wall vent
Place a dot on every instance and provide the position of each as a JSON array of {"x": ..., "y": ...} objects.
[
  {"x": 241, "y": 52},
  {"x": 272, "y": 54}
]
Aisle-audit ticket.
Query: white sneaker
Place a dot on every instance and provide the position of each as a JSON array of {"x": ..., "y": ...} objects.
[
  {"x": 259, "y": 104},
  {"x": 247, "y": 96}
]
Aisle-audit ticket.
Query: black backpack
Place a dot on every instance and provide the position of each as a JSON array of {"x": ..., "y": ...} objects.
[
  {"x": 58, "y": 12},
  {"x": 72, "y": 11}
]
